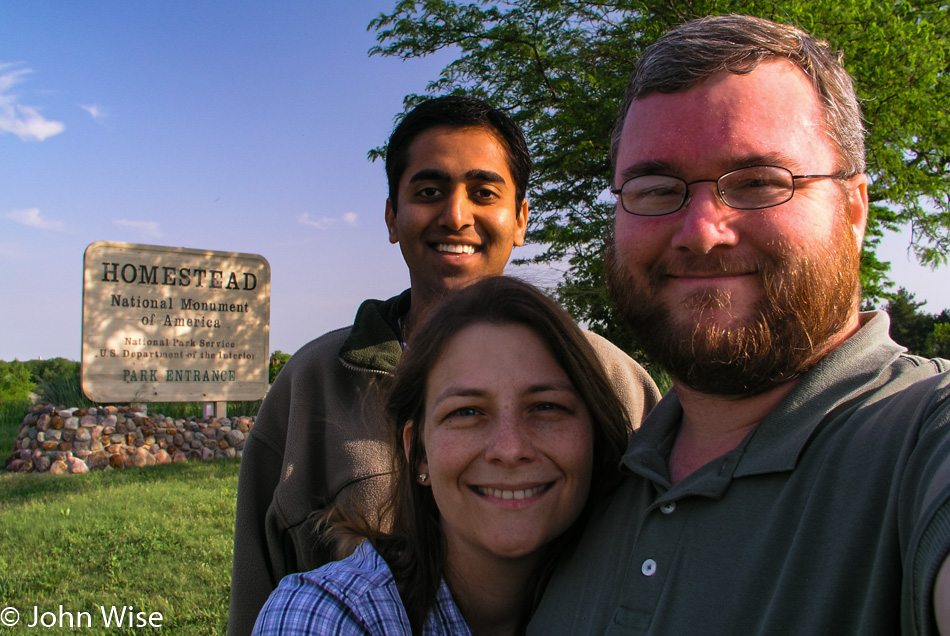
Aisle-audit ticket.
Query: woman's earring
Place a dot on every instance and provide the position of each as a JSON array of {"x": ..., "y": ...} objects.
[{"x": 423, "y": 477}]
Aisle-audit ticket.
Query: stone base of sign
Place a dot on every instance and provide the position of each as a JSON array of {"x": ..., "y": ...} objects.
[{"x": 59, "y": 440}]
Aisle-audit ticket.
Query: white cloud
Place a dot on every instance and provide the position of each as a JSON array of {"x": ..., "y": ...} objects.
[
  {"x": 23, "y": 121},
  {"x": 33, "y": 218},
  {"x": 95, "y": 111},
  {"x": 146, "y": 229},
  {"x": 324, "y": 223}
]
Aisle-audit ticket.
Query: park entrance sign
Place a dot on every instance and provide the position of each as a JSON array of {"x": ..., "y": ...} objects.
[{"x": 165, "y": 324}]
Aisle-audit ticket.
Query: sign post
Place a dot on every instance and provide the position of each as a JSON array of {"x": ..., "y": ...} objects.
[{"x": 164, "y": 324}]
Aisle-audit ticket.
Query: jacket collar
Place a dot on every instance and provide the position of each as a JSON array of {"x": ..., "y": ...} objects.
[{"x": 374, "y": 341}]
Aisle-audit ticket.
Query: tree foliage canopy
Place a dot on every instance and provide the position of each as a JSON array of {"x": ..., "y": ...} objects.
[
  {"x": 560, "y": 67},
  {"x": 922, "y": 333}
]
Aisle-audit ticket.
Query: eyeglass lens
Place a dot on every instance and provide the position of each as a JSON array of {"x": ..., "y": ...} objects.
[{"x": 746, "y": 189}]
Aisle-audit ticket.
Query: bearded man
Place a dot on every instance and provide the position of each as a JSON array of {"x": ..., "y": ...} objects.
[{"x": 796, "y": 479}]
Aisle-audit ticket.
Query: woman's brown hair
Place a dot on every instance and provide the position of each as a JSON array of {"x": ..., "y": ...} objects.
[{"x": 414, "y": 547}]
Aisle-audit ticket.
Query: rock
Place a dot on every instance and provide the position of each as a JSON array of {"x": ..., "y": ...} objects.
[
  {"x": 141, "y": 457},
  {"x": 60, "y": 440},
  {"x": 244, "y": 424},
  {"x": 98, "y": 460},
  {"x": 76, "y": 466}
]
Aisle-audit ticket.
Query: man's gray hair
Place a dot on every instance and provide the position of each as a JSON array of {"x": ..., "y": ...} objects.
[{"x": 699, "y": 49}]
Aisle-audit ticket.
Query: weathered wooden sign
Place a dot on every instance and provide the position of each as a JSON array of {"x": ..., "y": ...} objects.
[{"x": 172, "y": 324}]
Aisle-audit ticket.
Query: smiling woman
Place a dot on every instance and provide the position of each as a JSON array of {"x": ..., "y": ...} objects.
[{"x": 511, "y": 433}]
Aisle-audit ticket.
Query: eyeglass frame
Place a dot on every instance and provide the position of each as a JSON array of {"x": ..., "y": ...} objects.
[{"x": 687, "y": 193}]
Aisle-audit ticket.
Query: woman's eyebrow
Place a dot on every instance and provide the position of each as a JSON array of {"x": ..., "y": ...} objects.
[
  {"x": 458, "y": 391},
  {"x": 544, "y": 388}
]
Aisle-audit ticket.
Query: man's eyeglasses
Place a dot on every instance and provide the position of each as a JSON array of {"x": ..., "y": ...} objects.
[{"x": 751, "y": 188}]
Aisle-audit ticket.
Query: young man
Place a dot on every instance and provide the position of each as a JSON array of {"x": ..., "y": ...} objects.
[
  {"x": 458, "y": 173},
  {"x": 796, "y": 480}
]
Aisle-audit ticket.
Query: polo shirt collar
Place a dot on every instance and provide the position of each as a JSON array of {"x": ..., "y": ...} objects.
[{"x": 776, "y": 444}]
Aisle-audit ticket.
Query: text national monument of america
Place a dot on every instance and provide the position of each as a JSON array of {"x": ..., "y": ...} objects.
[{"x": 164, "y": 324}]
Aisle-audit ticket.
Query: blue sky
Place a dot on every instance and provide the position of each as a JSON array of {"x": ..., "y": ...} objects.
[{"x": 239, "y": 126}]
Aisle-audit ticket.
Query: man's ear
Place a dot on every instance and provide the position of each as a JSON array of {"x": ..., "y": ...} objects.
[
  {"x": 858, "y": 206},
  {"x": 521, "y": 224},
  {"x": 391, "y": 222}
]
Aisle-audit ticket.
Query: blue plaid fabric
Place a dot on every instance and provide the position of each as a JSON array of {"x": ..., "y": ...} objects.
[{"x": 352, "y": 597}]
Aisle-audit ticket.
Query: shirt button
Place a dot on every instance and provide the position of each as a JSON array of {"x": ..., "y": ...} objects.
[
  {"x": 668, "y": 507},
  {"x": 648, "y": 568}
]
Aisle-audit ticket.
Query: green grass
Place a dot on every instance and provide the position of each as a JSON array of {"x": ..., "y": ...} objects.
[
  {"x": 158, "y": 539},
  {"x": 11, "y": 416}
]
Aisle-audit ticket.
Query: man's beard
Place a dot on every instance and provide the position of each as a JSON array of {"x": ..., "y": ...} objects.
[{"x": 807, "y": 301}]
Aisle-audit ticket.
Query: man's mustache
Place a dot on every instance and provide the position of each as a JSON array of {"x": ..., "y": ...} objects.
[{"x": 706, "y": 266}]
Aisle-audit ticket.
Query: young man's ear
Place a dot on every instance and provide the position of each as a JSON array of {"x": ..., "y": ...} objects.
[
  {"x": 522, "y": 223},
  {"x": 391, "y": 222}
]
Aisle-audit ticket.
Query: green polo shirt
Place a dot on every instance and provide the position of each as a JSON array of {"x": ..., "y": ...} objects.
[{"x": 831, "y": 517}]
